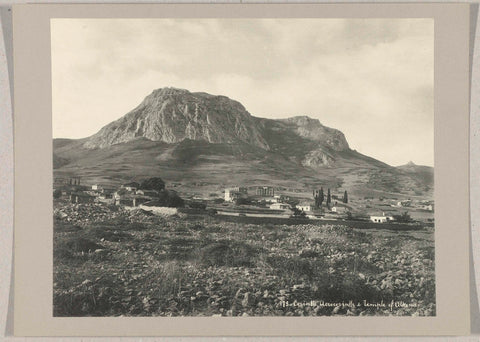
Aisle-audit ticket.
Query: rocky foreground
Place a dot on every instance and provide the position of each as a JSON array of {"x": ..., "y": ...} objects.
[{"x": 111, "y": 262}]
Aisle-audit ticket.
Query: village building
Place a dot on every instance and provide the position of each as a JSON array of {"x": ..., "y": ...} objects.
[
  {"x": 132, "y": 200},
  {"x": 107, "y": 192},
  {"x": 339, "y": 209},
  {"x": 117, "y": 195},
  {"x": 304, "y": 207},
  {"x": 81, "y": 197},
  {"x": 269, "y": 200},
  {"x": 131, "y": 187},
  {"x": 102, "y": 188},
  {"x": 279, "y": 206},
  {"x": 106, "y": 195},
  {"x": 233, "y": 193},
  {"x": 381, "y": 219},
  {"x": 428, "y": 207},
  {"x": 378, "y": 219},
  {"x": 105, "y": 198}
]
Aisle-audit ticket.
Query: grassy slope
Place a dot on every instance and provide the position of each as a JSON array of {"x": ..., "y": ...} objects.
[{"x": 201, "y": 167}]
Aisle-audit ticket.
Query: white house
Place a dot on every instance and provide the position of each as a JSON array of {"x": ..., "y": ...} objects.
[
  {"x": 304, "y": 207},
  {"x": 381, "y": 219},
  {"x": 428, "y": 207},
  {"x": 131, "y": 187},
  {"x": 378, "y": 219},
  {"x": 228, "y": 195},
  {"x": 279, "y": 206}
]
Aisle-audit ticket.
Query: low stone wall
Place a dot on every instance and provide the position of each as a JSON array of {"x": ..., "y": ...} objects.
[{"x": 161, "y": 211}]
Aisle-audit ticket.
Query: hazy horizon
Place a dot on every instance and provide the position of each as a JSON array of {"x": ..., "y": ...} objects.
[{"x": 372, "y": 79}]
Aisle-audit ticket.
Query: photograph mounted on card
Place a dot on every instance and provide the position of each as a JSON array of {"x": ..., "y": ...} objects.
[{"x": 220, "y": 170}]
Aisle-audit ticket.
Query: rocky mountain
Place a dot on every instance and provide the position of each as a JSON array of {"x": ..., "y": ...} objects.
[
  {"x": 201, "y": 141},
  {"x": 172, "y": 115}
]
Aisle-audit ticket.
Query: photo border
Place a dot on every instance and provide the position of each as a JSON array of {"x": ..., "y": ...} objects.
[{"x": 33, "y": 177}]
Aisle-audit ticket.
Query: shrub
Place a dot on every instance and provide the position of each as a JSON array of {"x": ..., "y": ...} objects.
[
  {"x": 69, "y": 248},
  {"x": 82, "y": 245},
  {"x": 57, "y": 193},
  {"x": 309, "y": 254},
  {"x": 60, "y": 226},
  {"x": 180, "y": 248},
  {"x": 170, "y": 199},
  {"x": 292, "y": 269},
  {"x": 197, "y": 205},
  {"x": 242, "y": 201},
  {"x": 429, "y": 252},
  {"x": 197, "y": 226},
  {"x": 349, "y": 287},
  {"x": 297, "y": 213},
  {"x": 112, "y": 236},
  {"x": 404, "y": 218},
  {"x": 228, "y": 253},
  {"x": 212, "y": 212}
]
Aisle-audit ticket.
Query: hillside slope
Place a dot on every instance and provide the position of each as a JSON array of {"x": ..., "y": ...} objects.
[{"x": 201, "y": 142}]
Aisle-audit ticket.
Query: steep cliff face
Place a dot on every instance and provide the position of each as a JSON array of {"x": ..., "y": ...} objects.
[
  {"x": 312, "y": 129},
  {"x": 172, "y": 115}
]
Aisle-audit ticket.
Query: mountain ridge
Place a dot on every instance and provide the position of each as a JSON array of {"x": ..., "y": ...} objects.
[{"x": 211, "y": 137}]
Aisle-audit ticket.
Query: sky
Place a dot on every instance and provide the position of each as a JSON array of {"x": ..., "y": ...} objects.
[{"x": 370, "y": 78}]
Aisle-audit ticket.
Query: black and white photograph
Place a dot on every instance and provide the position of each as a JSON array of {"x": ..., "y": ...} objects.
[{"x": 243, "y": 167}]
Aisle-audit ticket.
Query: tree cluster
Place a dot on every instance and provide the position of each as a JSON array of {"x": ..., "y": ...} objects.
[
  {"x": 403, "y": 218},
  {"x": 170, "y": 199},
  {"x": 297, "y": 213},
  {"x": 155, "y": 183},
  {"x": 242, "y": 201},
  {"x": 165, "y": 198},
  {"x": 318, "y": 196},
  {"x": 329, "y": 198}
]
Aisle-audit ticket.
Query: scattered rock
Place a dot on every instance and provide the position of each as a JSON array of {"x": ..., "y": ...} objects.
[{"x": 248, "y": 300}]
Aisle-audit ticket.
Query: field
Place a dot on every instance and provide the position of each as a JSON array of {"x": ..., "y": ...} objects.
[{"x": 112, "y": 262}]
